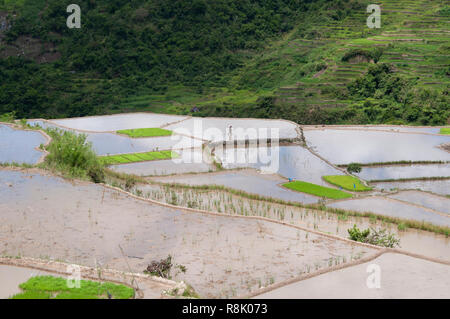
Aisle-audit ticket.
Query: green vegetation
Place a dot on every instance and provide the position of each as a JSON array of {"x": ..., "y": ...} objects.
[
  {"x": 146, "y": 132},
  {"x": 137, "y": 157},
  {"x": 49, "y": 287},
  {"x": 8, "y": 117},
  {"x": 317, "y": 190},
  {"x": 445, "y": 130},
  {"x": 289, "y": 59},
  {"x": 354, "y": 168},
  {"x": 71, "y": 155},
  {"x": 120, "y": 180},
  {"x": 374, "y": 237},
  {"x": 350, "y": 183}
]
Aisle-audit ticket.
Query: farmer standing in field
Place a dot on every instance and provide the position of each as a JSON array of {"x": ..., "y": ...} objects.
[{"x": 230, "y": 132}]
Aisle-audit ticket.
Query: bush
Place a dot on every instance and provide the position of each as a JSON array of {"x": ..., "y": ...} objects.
[
  {"x": 73, "y": 156},
  {"x": 354, "y": 168},
  {"x": 374, "y": 237}
]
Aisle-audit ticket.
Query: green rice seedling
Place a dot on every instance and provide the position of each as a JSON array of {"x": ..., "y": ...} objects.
[
  {"x": 317, "y": 190},
  {"x": 145, "y": 132},
  {"x": 49, "y": 287},
  {"x": 347, "y": 182}
]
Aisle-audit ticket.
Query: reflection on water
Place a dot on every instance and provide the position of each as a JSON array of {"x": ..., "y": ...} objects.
[
  {"x": 384, "y": 206},
  {"x": 111, "y": 123},
  {"x": 407, "y": 171},
  {"x": 441, "y": 187},
  {"x": 19, "y": 146},
  {"x": 292, "y": 162},
  {"x": 217, "y": 129},
  {"x": 247, "y": 181},
  {"x": 346, "y": 146},
  {"x": 438, "y": 203},
  {"x": 109, "y": 143}
]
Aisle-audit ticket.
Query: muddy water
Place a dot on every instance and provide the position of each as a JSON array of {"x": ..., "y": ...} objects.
[
  {"x": 438, "y": 203},
  {"x": 347, "y": 146},
  {"x": 245, "y": 180},
  {"x": 289, "y": 161},
  {"x": 386, "y": 207},
  {"x": 44, "y": 216},
  {"x": 407, "y": 171},
  {"x": 400, "y": 277},
  {"x": 11, "y": 277},
  {"x": 119, "y": 122},
  {"x": 19, "y": 146},
  {"x": 441, "y": 187},
  {"x": 416, "y": 241}
]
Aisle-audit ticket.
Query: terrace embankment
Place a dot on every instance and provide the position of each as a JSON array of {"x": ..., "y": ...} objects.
[{"x": 43, "y": 216}]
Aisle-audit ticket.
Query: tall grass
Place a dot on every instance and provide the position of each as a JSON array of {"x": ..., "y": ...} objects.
[{"x": 71, "y": 155}]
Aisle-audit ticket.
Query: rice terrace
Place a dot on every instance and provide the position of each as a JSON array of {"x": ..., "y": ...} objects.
[{"x": 292, "y": 153}]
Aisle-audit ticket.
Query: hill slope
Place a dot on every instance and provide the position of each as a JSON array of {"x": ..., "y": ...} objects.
[{"x": 309, "y": 61}]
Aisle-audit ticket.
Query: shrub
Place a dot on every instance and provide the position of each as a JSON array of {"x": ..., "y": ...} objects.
[
  {"x": 354, "y": 168},
  {"x": 374, "y": 237},
  {"x": 73, "y": 156}
]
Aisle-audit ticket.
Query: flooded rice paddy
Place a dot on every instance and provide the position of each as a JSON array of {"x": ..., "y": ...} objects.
[
  {"x": 46, "y": 217},
  {"x": 404, "y": 171},
  {"x": 109, "y": 123},
  {"x": 388, "y": 207},
  {"x": 19, "y": 146},
  {"x": 358, "y": 146},
  {"x": 216, "y": 129},
  {"x": 186, "y": 163},
  {"x": 415, "y": 241},
  {"x": 245, "y": 180},
  {"x": 438, "y": 203},
  {"x": 441, "y": 187},
  {"x": 111, "y": 143},
  {"x": 293, "y": 162},
  {"x": 402, "y": 277}
]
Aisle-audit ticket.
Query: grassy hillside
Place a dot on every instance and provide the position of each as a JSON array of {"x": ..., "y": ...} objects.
[{"x": 309, "y": 61}]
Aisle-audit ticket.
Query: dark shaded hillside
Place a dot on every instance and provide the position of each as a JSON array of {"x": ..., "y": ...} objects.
[{"x": 297, "y": 59}]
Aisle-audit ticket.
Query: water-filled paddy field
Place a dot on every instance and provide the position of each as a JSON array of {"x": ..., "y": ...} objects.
[
  {"x": 388, "y": 207},
  {"x": 189, "y": 161},
  {"x": 401, "y": 277},
  {"x": 111, "y": 143},
  {"x": 85, "y": 223},
  {"x": 405, "y": 171},
  {"x": 117, "y": 122},
  {"x": 441, "y": 187},
  {"x": 217, "y": 129},
  {"x": 438, "y": 203},
  {"x": 247, "y": 181},
  {"x": 358, "y": 146},
  {"x": 46, "y": 217},
  {"x": 294, "y": 162},
  {"x": 221, "y": 201},
  {"x": 19, "y": 146}
]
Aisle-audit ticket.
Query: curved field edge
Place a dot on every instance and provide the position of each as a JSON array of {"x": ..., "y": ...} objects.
[{"x": 122, "y": 178}]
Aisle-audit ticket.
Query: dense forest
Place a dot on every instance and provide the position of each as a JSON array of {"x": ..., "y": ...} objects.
[{"x": 146, "y": 48}]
